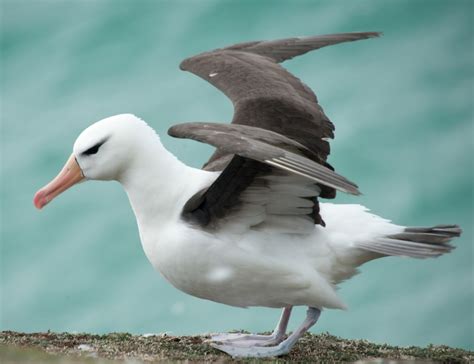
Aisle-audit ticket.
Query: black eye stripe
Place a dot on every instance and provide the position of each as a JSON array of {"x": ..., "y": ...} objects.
[{"x": 94, "y": 149}]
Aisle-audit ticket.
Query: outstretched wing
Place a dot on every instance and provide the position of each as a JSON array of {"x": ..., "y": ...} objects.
[
  {"x": 281, "y": 123},
  {"x": 257, "y": 152}
]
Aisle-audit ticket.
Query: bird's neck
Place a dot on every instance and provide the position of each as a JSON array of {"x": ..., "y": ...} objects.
[{"x": 156, "y": 183}]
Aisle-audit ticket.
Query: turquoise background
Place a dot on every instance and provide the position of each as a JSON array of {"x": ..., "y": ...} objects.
[{"x": 402, "y": 106}]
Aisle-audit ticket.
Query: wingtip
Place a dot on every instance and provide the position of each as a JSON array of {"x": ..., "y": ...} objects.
[
  {"x": 374, "y": 34},
  {"x": 182, "y": 65},
  {"x": 365, "y": 35},
  {"x": 173, "y": 131},
  {"x": 354, "y": 190}
]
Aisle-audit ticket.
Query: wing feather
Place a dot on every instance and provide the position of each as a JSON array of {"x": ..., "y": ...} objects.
[
  {"x": 277, "y": 142},
  {"x": 265, "y": 148}
]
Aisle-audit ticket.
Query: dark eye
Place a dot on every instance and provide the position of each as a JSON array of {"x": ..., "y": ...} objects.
[{"x": 94, "y": 149}]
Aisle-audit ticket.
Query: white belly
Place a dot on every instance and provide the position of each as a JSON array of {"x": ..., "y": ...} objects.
[
  {"x": 264, "y": 268},
  {"x": 248, "y": 270}
]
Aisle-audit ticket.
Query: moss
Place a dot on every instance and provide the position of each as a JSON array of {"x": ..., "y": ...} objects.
[{"x": 51, "y": 347}]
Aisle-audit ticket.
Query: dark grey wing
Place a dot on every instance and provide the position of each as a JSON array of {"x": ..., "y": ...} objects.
[
  {"x": 283, "y": 49},
  {"x": 256, "y": 152},
  {"x": 266, "y": 147},
  {"x": 268, "y": 97}
]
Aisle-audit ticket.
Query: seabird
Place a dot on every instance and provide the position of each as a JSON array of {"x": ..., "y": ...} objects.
[{"x": 248, "y": 229}]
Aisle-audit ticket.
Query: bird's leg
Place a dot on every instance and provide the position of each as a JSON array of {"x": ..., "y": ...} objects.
[
  {"x": 248, "y": 340},
  {"x": 280, "y": 330},
  {"x": 282, "y": 348}
]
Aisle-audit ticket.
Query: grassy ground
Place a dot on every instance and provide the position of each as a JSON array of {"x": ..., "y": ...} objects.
[{"x": 119, "y": 348}]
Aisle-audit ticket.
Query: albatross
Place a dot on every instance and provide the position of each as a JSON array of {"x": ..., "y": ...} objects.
[{"x": 248, "y": 229}]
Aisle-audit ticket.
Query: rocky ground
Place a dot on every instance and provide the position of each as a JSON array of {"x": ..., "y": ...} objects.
[{"x": 115, "y": 348}]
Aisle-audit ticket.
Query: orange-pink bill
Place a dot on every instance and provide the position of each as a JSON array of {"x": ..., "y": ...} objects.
[{"x": 69, "y": 176}]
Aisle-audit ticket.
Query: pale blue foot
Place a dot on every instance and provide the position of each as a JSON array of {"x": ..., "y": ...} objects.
[
  {"x": 250, "y": 346},
  {"x": 251, "y": 340},
  {"x": 245, "y": 340},
  {"x": 238, "y": 351}
]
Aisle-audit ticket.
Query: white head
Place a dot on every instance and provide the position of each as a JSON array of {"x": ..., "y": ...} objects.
[
  {"x": 103, "y": 151},
  {"x": 106, "y": 148}
]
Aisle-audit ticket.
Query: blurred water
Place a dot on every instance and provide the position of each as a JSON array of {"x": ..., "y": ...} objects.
[{"x": 402, "y": 106}]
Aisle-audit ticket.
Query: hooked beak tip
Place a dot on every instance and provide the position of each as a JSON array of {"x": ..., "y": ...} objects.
[
  {"x": 39, "y": 200},
  {"x": 69, "y": 176}
]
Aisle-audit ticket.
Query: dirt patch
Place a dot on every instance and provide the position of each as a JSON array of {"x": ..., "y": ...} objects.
[{"x": 114, "y": 348}]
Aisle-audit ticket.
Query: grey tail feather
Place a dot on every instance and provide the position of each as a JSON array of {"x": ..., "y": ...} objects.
[{"x": 416, "y": 242}]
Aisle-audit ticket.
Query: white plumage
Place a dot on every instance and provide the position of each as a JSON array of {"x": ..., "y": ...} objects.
[{"x": 285, "y": 260}]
